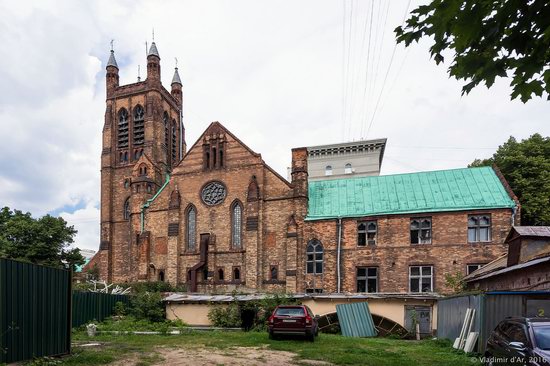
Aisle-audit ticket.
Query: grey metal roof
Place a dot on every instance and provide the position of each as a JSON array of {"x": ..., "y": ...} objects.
[
  {"x": 112, "y": 61},
  {"x": 543, "y": 231},
  {"x": 205, "y": 298},
  {"x": 176, "y": 78},
  {"x": 153, "y": 50},
  {"x": 509, "y": 269}
]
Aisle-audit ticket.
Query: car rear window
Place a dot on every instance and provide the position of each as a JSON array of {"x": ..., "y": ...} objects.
[
  {"x": 542, "y": 337},
  {"x": 290, "y": 312}
]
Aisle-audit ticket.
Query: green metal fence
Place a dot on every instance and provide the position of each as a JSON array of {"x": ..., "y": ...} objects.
[
  {"x": 88, "y": 306},
  {"x": 35, "y": 320}
]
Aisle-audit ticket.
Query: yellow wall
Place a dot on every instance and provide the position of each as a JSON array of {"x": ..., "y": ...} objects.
[
  {"x": 393, "y": 309},
  {"x": 191, "y": 314}
]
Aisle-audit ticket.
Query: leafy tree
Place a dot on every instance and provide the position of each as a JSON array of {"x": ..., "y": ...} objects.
[
  {"x": 489, "y": 39},
  {"x": 45, "y": 240},
  {"x": 526, "y": 167}
]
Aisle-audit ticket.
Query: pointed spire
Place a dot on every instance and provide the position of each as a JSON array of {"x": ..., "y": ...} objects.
[
  {"x": 176, "y": 79},
  {"x": 112, "y": 61},
  {"x": 153, "y": 50}
]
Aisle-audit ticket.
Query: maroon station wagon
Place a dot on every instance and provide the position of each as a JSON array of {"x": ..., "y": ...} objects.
[{"x": 293, "y": 320}]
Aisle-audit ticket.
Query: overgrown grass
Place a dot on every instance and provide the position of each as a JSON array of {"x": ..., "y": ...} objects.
[
  {"x": 129, "y": 323},
  {"x": 331, "y": 348}
]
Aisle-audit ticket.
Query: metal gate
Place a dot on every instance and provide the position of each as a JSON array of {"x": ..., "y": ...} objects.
[
  {"x": 35, "y": 317},
  {"x": 421, "y": 315}
]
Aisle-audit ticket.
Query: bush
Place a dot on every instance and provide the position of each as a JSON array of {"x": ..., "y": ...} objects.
[
  {"x": 147, "y": 305},
  {"x": 129, "y": 323},
  {"x": 226, "y": 316},
  {"x": 120, "y": 308}
]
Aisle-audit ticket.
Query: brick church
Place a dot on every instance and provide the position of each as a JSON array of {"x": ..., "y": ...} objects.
[{"x": 217, "y": 218}]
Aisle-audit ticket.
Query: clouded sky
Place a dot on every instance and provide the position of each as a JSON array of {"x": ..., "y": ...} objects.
[{"x": 278, "y": 74}]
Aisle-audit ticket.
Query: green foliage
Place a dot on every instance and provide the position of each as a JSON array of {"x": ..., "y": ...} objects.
[
  {"x": 93, "y": 273},
  {"x": 226, "y": 316},
  {"x": 455, "y": 282},
  {"x": 333, "y": 349},
  {"x": 265, "y": 307},
  {"x": 526, "y": 167},
  {"x": 229, "y": 316},
  {"x": 130, "y": 323},
  {"x": 488, "y": 39},
  {"x": 45, "y": 240},
  {"x": 147, "y": 305},
  {"x": 120, "y": 308}
]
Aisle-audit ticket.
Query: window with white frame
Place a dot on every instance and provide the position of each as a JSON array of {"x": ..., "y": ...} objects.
[
  {"x": 421, "y": 278},
  {"x": 479, "y": 228},
  {"x": 366, "y": 233},
  {"x": 367, "y": 279},
  {"x": 328, "y": 170},
  {"x": 421, "y": 230}
]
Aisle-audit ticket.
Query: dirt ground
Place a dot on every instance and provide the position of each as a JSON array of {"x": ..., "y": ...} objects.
[{"x": 241, "y": 356}]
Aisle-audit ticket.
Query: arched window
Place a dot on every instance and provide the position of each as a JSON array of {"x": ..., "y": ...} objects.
[
  {"x": 139, "y": 125},
  {"x": 236, "y": 274},
  {"x": 274, "y": 273},
  {"x": 143, "y": 169},
  {"x": 191, "y": 228},
  {"x": 236, "y": 224},
  {"x": 220, "y": 274},
  {"x": 126, "y": 209},
  {"x": 314, "y": 262},
  {"x": 328, "y": 170},
  {"x": 174, "y": 141},
  {"x": 161, "y": 276},
  {"x": 122, "y": 132},
  {"x": 348, "y": 169}
]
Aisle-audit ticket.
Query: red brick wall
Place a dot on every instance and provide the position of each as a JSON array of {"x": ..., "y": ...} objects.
[{"x": 449, "y": 251}]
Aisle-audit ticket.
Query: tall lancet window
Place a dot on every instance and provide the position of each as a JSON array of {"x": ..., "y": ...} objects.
[
  {"x": 166, "y": 121},
  {"x": 122, "y": 132},
  {"x": 174, "y": 141},
  {"x": 236, "y": 225},
  {"x": 191, "y": 228},
  {"x": 139, "y": 125}
]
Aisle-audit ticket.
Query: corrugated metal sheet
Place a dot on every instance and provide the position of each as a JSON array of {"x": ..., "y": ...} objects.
[
  {"x": 451, "y": 313},
  {"x": 444, "y": 190},
  {"x": 491, "y": 309},
  {"x": 495, "y": 309},
  {"x": 355, "y": 320},
  {"x": 88, "y": 306},
  {"x": 35, "y": 311}
]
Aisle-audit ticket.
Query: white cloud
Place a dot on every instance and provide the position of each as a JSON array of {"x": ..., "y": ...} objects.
[{"x": 270, "y": 71}]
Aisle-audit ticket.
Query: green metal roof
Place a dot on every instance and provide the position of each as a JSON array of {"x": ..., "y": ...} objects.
[{"x": 436, "y": 191}]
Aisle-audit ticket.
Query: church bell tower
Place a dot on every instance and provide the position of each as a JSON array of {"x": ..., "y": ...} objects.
[{"x": 143, "y": 140}]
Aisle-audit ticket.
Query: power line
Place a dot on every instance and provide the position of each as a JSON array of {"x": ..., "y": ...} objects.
[
  {"x": 365, "y": 108},
  {"x": 387, "y": 73}
]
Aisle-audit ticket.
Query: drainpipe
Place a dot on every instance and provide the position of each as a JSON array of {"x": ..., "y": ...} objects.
[
  {"x": 149, "y": 201},
  {"x": 338, "y": 253}
]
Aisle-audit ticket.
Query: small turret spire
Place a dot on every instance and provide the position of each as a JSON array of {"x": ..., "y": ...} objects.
[
  {"x": 153, "y": 50},
  {"x": 112, "y": 60},
  {"x": 176, "y": 78}
]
